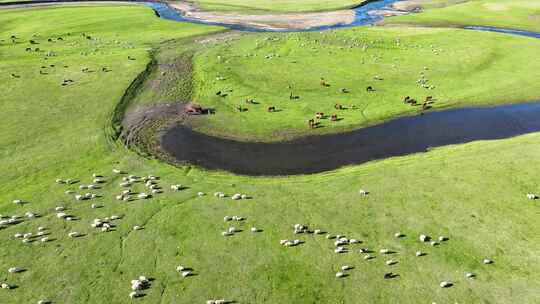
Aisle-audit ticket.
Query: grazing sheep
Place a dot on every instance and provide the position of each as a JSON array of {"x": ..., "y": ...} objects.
[
  {"x": 44, "y": 239},
  {"x": 74, "y": 234},
  {"x": 419, "y": 253},
  {"x": 227, "y": 218},
  {"x": 340, "y": 250},
  {"x": 391, "y": 262},
  {"x": 424, "y": 238},
  {"x": 180, "y": 268},
  {"x": 117, "y": 171},
  {"x": 15, "y": 269},
  {"x": 346, "y": 267},
  {"x": 236, "y": 197},
  {"x": 443, "y": 239},
  {"x": 133, "y": 294},
  {"x": 143, "y": 195},
  {"x": 445, "y": 284},
  {"x": 470, "y": 275},
  {"x": 254, "y": 229},
  {"x": 532, "y": 196},
  {"x": 225, "y": 233},
  {"x": 317, "y": 231},
  {"x": 137, "y": 228},
  {"x": 200, "y": 194},
  {"x": 434, "y": 244},
  {"x": 61, "y": 215},
  {"x": 186, "y": 273},
  {"x": 487, "y": 261},
  {"x": 384, "y": 251},
  {"x": 398, "y": 235},
  {"x": 5, "y": 286},
  {"x": 125, "y": 184},
  {"x": 363, "y": 192},
  {"x": 177, "y": 187},
  {"x": 18, "y": 202},
  {"x": 44, "y": 302},
  {"x": 340, "y": 275}
]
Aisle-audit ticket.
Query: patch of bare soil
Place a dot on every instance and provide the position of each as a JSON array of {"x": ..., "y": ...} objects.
[{"x": 297, "y": 21}]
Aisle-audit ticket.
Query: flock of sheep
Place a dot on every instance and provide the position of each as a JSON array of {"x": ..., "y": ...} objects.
[{"x": 341, "y": 243}]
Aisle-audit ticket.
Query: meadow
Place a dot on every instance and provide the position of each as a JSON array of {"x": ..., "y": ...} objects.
[
  {"x": 515, "y": 14},
  {"x": 455, "y": 67},
  {"x": 474, "y": 194}
]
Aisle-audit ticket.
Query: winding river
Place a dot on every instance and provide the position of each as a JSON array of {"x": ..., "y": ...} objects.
[
  {"x": 313, "y": 154},
  {"x": 363, "y": 16}
]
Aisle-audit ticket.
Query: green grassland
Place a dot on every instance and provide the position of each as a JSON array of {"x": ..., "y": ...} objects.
[
  {"x": 516, "y": 14},
  {"x": 462, "y": 68},
  {"x": 472, "y": 193},
  {"x": 278, "y": 6}
]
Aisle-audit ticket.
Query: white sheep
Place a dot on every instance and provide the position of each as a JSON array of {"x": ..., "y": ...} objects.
[
  {"x": 470, "y": 275},
  {"x": 487, "y": 261},
  {"x": 186, "y": 273},
  {"x": 424, "y": 238},
  {"x": 340, "y": 250},
  {"x": 5, "y": 286},
  {"x": 137, "y": 228},
  {"x": 133, "y": 294},
  {"x": 18, "y": 202},
  {"x": 236, "y": 197},
  {"x": 346, "y": 267},
  {"x": 73, "y": 234},
  {"x": 340, "y": 275},
  {"x": 200, "y": 194},
  {"x": 419, "y": 253},
  {"x": 254, "y": 229},
  {"x": 445, "y": 284},
  {"x": 363, "y": 192},
  {"x": 531, "y": 196},
  {"x": 143, "y": 195},
  {"x": 15, "y": 269}
]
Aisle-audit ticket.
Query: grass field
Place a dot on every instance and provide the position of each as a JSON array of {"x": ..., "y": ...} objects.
[
  {"x": 51, "y": 131},
  {"x": 460, "y": 67},
  {"x": 516, "y": 14}
]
